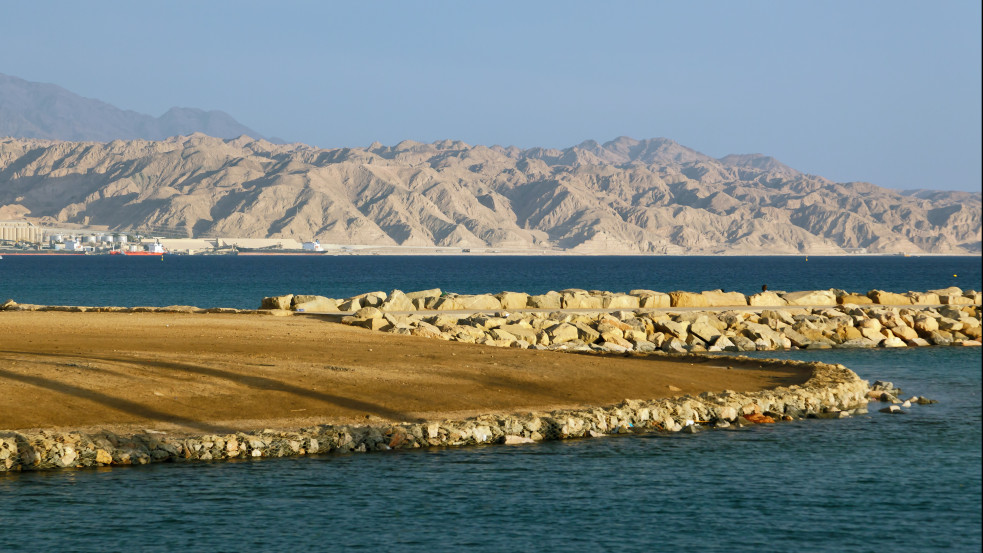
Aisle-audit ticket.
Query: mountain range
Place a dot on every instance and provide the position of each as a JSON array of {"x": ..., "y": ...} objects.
[
  {"x": 40, "y": 110},
  {"x": 622, "y": 196}
]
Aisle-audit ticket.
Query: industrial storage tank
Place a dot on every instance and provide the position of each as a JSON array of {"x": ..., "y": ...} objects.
[
  {"x": 121, "y": 238},
  {"x": 135, "y": 248},
  {"x": 106, "y": 238},
  {"x": 90, "y": 239}
]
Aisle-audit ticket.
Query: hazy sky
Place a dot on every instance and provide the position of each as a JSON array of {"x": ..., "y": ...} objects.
[{"x": 882, "y": 91}]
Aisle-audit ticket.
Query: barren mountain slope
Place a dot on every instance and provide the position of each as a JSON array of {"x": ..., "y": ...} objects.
[{"x": 624, "y": 196}]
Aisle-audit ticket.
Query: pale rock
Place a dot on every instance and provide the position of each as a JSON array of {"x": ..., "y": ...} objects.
[
  {"x": 893, "y": 342},
  {"x": 687, "y": 299},
  {"x": 888, "y": 298},
  {"x": 277, "y": 302},
  {"x": 811, "y": 297},
  {"x": 719, "y": 298},
  {"x": 563, "y": 332},
  {"x": 398, "y": 301},
  {"x": 513, "y": 300},
  {"x": 766, "y": 299},
  {"x": 549, "y": 300},
  {"x": 368, "y": 313},
  {"x": 619, "y": 301},
  {"x": 315, "y": 304}
]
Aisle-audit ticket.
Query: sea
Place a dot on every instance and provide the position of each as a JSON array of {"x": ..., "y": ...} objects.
[{"x": 873, "y": 482}]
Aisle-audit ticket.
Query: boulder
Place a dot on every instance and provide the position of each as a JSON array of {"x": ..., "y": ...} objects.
[
  {"x": 522, "y": 333},
  {"x": 719, "y": 298},
  {"x": 655, "y": 300},
  {"x": 482, "y": 302},
  {"x": 368, "y": 313},
  {"x": 687, "y": 299},
  {"x": 397, "y": 301},
  {"x": 704, "y": 331},
  {"x": 888, "y": 298},
  {"x": 893, "y": 342},
  {"x": 619, "y": 301},
  {"x": 563, "y": 332},
  {"x": 315, "y": 304},
  {"x": 811, "y": 297},
  {"x": 925, "y": 325},
  {"x": 579, "y": 300},
  {"x": 446, "y": 303},
  {"x": 423, "y": 294},
  {"x": 549, "y": 300},
  {"x": 513, "y": 300},
  {"x": 349, "y": 305},
  {"x": 905, "y": 332},
  {"x": 853, "y": 299},
  {"x": 673, "y": 328},
  {"x": 371, "y": 299},
  {"x": 587, "y": 334},
  {"x": 924, "y": 298},
  {"x": 766, "y": 299},
  {"x": 277, "y": 302}
]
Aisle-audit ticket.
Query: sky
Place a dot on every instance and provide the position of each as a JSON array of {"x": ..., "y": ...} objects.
[{"x": 887, "y": 92}]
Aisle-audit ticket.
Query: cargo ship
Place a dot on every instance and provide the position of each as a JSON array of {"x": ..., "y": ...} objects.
[{"x": 309, "y": 248}]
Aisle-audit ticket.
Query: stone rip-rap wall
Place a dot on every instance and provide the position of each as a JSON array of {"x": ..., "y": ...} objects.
[
  {"x": 766, "y": 321},
  {"x": 833, "y": 391}
]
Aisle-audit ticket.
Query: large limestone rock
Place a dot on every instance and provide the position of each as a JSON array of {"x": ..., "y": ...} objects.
[
  {"x": 482, "y": 302},
  {"x": 513, "y": 300},
  {"x": 673, "y": 328},
  {"x": 687, "y": 299},
  {"x": 924, "y": 298},
  {"x": 704, "y": 331},
  {"x": 619, "y": 301},
  {"x": 888, "y": 298},
  {"x": 314, "y": 304},
  {"x": 766, "y": 299},
  {"x": 650, "y": 299},
  {"x": 853, "y": 299},
  {"x": 277, "y": 302},
  {"x": 563, "y": 332},
  {"x": 549, "y": 300},
  {"x": 811, "y": 297},
  {"x": 397, "y": 301},
  {"x": 719, "y": 298},
  {"x": 371, "y": 299},
  {"x": 579, "y": 299}
]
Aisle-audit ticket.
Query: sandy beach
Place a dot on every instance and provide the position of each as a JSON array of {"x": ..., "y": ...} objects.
[{"x": 199, "y": 373}]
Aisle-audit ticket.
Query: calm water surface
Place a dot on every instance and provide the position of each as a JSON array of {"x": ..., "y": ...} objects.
[
  {"x": 229, "y": 281},
  {"x": 871, "y": 483}
]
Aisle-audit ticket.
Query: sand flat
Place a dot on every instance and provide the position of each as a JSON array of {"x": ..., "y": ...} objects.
[{"x": 198, "y": 373}]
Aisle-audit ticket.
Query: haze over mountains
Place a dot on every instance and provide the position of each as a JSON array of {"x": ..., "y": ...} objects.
[
  {"x": 40, "y": 110},
  {"x": 622, "y": 196}
]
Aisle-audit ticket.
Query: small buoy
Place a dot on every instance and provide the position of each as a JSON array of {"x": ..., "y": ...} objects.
[{"x": 955, "y": 275}]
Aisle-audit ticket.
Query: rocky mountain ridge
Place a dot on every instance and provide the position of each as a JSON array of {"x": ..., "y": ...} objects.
[
  {"x": 622, "y": 196},
  {"x": 41, "y": 110}
]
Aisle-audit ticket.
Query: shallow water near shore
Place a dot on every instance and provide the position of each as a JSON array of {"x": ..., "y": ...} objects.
[
  {"x": 241, "y": 282},
  {"x": 867, "y": 483}
]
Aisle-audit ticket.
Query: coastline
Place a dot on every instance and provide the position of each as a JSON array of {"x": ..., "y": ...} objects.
[{"x": 162, "y": 387}]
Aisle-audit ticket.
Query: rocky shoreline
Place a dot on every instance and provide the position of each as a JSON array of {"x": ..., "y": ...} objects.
[
  {"x": 644, "y": 320},
  {"x": 832, "y": 391}
]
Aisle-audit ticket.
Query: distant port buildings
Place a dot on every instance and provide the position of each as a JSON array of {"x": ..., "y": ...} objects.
[{"x": 20, "y": 231}]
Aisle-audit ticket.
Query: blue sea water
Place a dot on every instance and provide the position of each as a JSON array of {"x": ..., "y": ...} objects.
[
  {"x": 870, "y": 483},
  {"x": 230, "y": 281}
]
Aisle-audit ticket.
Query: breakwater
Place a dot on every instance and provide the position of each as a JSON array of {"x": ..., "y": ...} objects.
[
  {"x": 644, "y": 320},
  {"x": 832, "y": 391}
]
